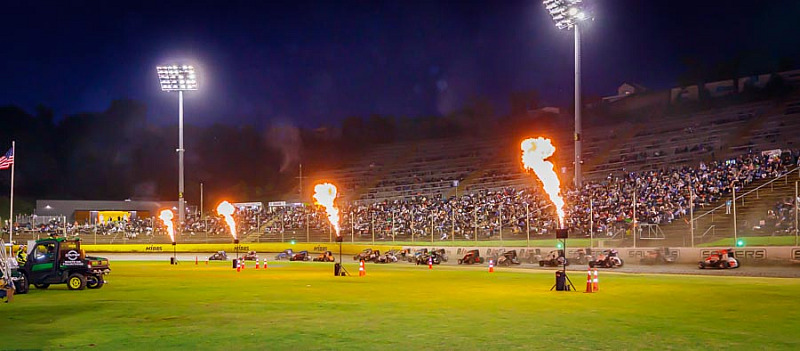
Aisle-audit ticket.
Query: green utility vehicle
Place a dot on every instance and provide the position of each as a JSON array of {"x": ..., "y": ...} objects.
[{"x": 62, "y": 261}]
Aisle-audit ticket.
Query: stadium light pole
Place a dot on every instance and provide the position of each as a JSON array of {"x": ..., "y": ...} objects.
[
  {"x": 178, "y": 78},
  {"x": 567, "y": 14}
]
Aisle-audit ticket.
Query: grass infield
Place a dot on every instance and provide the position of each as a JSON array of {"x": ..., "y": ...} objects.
[
  {"x": 301, "y": 305},
  {"x": 754, "y": 241}
]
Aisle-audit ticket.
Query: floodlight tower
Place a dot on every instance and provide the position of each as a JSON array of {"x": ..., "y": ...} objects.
[
  {"x": 178, "y": 78},
  {"x": 567, "y": 14}
]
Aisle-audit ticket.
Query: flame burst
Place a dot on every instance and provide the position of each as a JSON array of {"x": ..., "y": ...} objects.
[
  {"x": 226, "y": 210},
  {"x": 166, "y": 216},
  {"x": 534, "y": 153},
  {"x": 324, "y": 194}
]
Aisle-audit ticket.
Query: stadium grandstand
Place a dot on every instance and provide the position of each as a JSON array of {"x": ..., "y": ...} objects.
[{"x": 680, "y": 160}]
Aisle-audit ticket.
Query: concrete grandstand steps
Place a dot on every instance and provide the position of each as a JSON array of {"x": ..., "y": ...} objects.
[
  {"x": 713, "y": 223},
  {"x": 605, "y": 153},
  {"x": 251, "y": 236},
  {"x": 473, "y": 176},
  {"x": 408, "y": 152},
  {"x": 746, "y": 131}
]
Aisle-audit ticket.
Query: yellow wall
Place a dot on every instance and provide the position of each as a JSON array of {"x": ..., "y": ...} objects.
[{"x": 113, "y": 215}]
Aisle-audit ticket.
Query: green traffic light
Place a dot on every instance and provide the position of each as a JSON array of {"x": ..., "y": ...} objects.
[
  {"x": 292, "y": 242},
  {"x": 740, "y": 243},
  {"x": 558, "y": 246}
]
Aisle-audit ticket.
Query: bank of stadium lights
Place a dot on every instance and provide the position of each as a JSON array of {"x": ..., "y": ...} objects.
[
  {"x": 567, "y": 14},
  {"x": 178, "y": 78}
]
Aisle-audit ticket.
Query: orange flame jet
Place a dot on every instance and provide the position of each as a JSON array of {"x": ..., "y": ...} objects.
[
  {"x": 534, "y": 153},
  {"x": 166, "y": 216},
  {"x": 226, "y": 210},
  {"x": 324, "y": 194}
]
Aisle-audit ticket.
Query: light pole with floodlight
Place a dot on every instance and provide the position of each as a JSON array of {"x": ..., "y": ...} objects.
[
  {"x": 178, "y": 78},
  {"x": 567, "y": 14}
]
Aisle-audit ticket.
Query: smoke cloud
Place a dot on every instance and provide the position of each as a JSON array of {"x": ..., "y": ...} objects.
[{"x": 286, "y": 138}]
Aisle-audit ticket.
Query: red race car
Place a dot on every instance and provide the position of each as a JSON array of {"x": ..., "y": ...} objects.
[{"x": 720, "y": 259}]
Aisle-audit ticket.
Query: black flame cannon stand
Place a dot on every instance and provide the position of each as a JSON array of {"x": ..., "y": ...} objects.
[
  {"x": 236, "y": 248},
  {"x": 563, "y": 283},
  {"x": 174, "y": 259},
  {"x": 338, "y": 267}
]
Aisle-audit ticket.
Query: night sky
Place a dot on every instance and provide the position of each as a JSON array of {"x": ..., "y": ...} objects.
[{"x": 314, "y": 63}]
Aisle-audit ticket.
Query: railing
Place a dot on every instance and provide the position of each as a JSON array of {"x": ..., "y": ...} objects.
[
  {"x": 711, "y": 229},
  {"x": 785, "y": 177}
]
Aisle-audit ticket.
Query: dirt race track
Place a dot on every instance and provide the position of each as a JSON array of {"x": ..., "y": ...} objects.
[{"x": 778, "y": 271}]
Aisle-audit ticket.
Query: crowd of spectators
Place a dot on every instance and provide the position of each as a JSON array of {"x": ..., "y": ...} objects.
[
  {"x": 662, "y": 196},
  {"x": 779, "y": 220},
  {"x": 603, "y": 207}
]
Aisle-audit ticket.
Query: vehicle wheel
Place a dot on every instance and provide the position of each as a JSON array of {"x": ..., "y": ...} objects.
[
  {"x": 701, "y": 265},
  {"x": 621, "y": 262},
  {"x": 95, "y": 281},
  {"x": 42, "y": 286},
  {"x": 723, "y": 264},
  {"x": 76, "y": 282},
  {"x": 22, "y": 286},
  {"x": 737, "y": 263},
  {"x": 541, "y": 263},
  {"x": 480, "y": 260},
  {"x": 460, "y": 261},
  {"x": 591, "y": 264}
]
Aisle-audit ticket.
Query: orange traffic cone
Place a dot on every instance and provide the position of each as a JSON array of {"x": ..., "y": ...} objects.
[
  {"x": 362, "y": 271},
  {"x": 238, "y": 266},
  {"x": 206, "y": 262},
  {"x": 243, "y": 264},
  {"x": 589, "y": 287},
  {"x": 491, "y": 266},
  {"x": 595, "y": 282},
  {"x": 195, "y": 260},
  {"x": 265, "y": 263},
  {"x": 430, "y": 262},
  {"x": 256, "y": 263}
]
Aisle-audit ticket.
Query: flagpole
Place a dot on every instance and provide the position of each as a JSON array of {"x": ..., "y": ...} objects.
[{"x": 11, "y": 206}]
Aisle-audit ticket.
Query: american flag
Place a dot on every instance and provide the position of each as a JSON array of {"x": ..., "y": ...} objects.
[{"x": 8, "y": 159}]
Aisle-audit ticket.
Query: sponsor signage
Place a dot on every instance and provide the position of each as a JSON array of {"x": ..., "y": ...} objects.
[
  {"x": 71, "y": 258},
  {"x": 752, "y": 254},
  {"x": 636, "y": 253}
]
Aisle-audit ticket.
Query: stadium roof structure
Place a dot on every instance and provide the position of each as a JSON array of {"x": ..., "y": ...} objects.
[{"x": 69, "y": 207}]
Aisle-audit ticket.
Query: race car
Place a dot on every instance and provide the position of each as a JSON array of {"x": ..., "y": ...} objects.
[
  {"x": 285, "y": 255},
  {"x": 300, "y": 256},
  {"x": 326, "y": 256},
  {"x": 720, "y": 259},
  {"x": 439, "y": 255},
  {"x": 508, "y": 258},
  {"x": 366, "y": 255},
  {"x": 415, "y": 257},
  {"x": 219, "y": 256},
  {"x": 388, "y": 257},
  {"x": 471, "y": 257},
  {"x": 582, "y": 256},
  {"x": 607, "y": 259},
  {"x": 554, "y": 259},
  {"x": 658, "y": 256},
  {"x": 250, "y": 256}
]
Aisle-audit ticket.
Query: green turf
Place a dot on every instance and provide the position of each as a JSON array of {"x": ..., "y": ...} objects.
[
  {"x": 755, "y": 241},
  {"x": 300, "y": 305}
]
